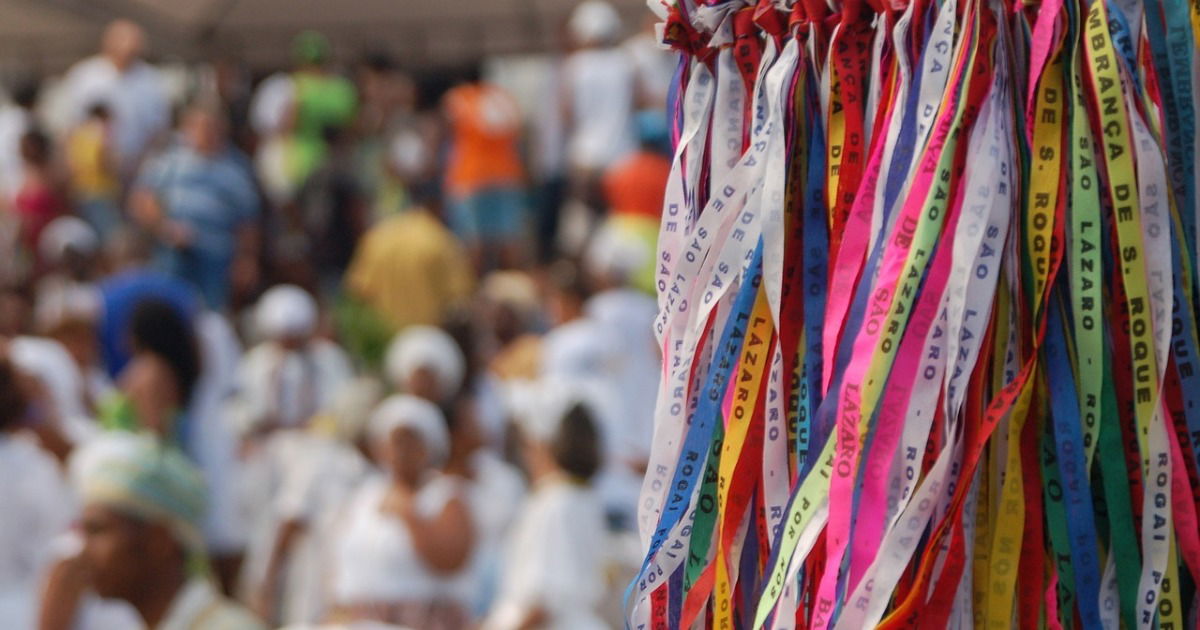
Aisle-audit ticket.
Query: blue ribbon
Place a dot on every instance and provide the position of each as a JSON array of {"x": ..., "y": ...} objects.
[
  {"x": 699, "y": 432},
  {"x": 1072, "y": 465}
]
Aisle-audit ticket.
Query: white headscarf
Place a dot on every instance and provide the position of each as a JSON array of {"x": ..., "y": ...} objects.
[
  {"x": 67, "y": 234},
  {"x": 616, "y": 251},
  {"x": 286, "y": 311},
  {"x": 539, "y": 408},
  {"x": 426, "y": 347},
  {"x": 595, "y": 22},
  {"x": 409, "y": 412}
]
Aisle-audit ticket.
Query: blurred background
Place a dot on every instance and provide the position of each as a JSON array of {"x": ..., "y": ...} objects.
[
  {"x": 51, "y": 34},
  {"x": 326, "y": 313}
]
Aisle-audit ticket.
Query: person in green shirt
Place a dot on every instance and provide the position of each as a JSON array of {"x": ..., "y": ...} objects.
[{"x": 323, "y": 100}]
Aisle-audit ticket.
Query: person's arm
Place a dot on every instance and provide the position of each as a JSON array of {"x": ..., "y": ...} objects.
[
  {"x": 244, "y": 271},
  {"x": 444, "y": 541},
  {"x": 63, "y": 594},
  {"x": 267, "y": 597},
  {"x": 146, "y": 208},
  {"x": 535, "y": 617},
  {"x": 43, "y": 418}
]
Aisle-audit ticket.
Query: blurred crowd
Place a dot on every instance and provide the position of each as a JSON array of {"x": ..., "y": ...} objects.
[{"x": 329, "y": 347}]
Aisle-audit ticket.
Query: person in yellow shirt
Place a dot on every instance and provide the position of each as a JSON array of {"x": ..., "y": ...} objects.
[
  {"x": 408, "y": 269},
  {"x": 93, "y": 175}
]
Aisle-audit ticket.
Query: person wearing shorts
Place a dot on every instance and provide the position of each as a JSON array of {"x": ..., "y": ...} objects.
[{"x": 487, "y": 205}]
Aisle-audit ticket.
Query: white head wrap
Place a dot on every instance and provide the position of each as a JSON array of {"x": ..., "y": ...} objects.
[
  {"x": 426, "y": 347},
  {"x": 617, "y": 251},
  {"x": 404, "y": 411},
  {"x": 582, "y": 350},
  {"x": 538, "y": 408},
  {"x": 67, "y": 234},
  {"x": 286, "y": 311},
  {"x": 595, "y": 22}
]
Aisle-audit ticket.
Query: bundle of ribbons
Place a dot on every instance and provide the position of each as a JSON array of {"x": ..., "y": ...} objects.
[{"x": 927, "y": 278}]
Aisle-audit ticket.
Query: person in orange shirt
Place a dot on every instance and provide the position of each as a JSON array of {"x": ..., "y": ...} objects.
[
  {"x": 634, "y": 188},
  {"x": 636, "y": 185},
  {"x": 484, "y": 180}
]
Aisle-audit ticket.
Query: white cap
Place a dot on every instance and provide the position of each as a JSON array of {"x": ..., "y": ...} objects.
[
  {"x": 429, "y": 347},
  {"x": 67, "y": 234},
  {"x": 409, "y": 412},
  {"x": 595, "y": 22},
  {"x": 286, "y": 311}
]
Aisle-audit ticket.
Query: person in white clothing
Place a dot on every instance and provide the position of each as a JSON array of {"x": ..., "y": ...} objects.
[
  {"x": 495, "y": 490},
  {"x": 611, "y": 261},
  {"x": 63, "y": 417},
  {"x": 133, "y": 90},
  {"x": 16, "y": 118},
  {"x": 577, "y": 344},
  {"x": 312, "y": 472},
  {"x": 282, "y": 382},
  {"x": 600, "y": 83},
  {"x": 655, "y": 64},
  {"x": 292, "y": 373},
  {"x": 38, "y": 504},
  {"x": 425, "y": 361},
  {"x": 406, "y": 534},
  {"x": 558, "y": 555},
  {"x": 270, "y": 112},
  {"x": 586, "y": 355},
  {"x": 214, "y": 444}
]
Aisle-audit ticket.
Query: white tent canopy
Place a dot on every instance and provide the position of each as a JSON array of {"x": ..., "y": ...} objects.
[{"x": 47, "y": 35}]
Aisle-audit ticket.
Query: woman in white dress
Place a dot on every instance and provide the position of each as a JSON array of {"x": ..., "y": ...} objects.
[
  {"x": 494, "y": 493},
  {"x": 406, "y": 534},
  {"x": 558, "y": 556},
  {"x": 289, "y": 376}
]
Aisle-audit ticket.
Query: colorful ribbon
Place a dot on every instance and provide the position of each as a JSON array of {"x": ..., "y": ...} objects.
[{"x": 928, "y": 296}]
